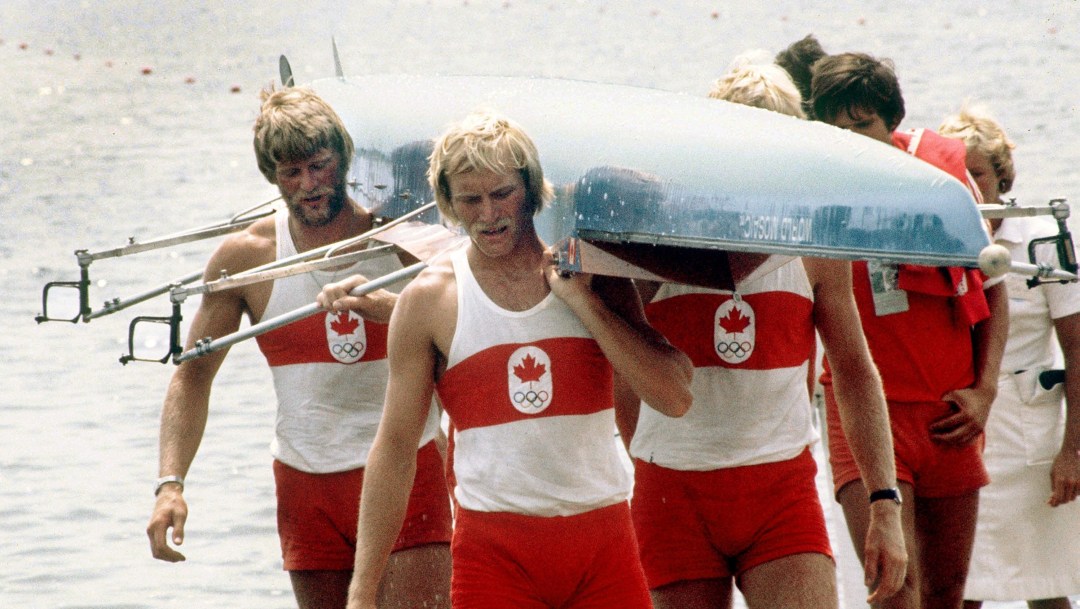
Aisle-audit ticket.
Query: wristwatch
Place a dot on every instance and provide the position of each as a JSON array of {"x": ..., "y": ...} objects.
[
  {"x": 162, "y": 481},
  {"x": 890, "y": 494}
]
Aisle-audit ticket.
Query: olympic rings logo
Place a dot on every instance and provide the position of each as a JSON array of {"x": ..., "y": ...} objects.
[
  {"x": 733, "y": 348},
  {"x": 348, "y": 350},
  {"x": 531, "y": 399}
]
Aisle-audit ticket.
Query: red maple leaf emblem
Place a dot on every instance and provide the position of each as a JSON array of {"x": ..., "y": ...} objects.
[
  {"x": 528, "y": 370},
  {"x": 734, "y": 322},
  {"x": 344, "y": 325}
]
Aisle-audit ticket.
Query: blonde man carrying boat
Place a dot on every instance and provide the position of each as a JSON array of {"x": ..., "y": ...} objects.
[
  {"x": 329, "y": 373},
  {"x": 523, "y": 360}
]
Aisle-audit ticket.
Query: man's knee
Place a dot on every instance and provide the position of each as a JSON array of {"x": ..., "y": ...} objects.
[{"x": 943, "y": 589}]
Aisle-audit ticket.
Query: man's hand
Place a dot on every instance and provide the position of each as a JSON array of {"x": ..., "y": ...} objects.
[
  {"x": 1065, "y": 477},
  {"x": 885, "y": 552},
  {"x": 335, "y": 296},
  {"x": 972, "y": 407},
  {"x": 170, "y": 512},
  {"x": 566, "y": 286},
  {"x": 375, "y": 306}
]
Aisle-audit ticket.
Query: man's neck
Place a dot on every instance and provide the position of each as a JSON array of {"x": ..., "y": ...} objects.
[
  {"x": 526, "y": 255},
  {"x": 514, "y": 281}
]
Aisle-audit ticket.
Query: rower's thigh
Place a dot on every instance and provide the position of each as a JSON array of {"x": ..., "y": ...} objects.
[
  {"x": 945, "y": 528},
  {"x": 800, "y": 580},
  {"x": 417, "y": 577}
]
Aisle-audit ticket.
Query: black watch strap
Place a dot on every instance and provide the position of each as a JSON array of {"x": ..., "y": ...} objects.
[{"x": 891, "y": 494}]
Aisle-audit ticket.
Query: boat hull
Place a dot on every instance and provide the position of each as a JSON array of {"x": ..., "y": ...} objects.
[{"x": 641, "y": 166}]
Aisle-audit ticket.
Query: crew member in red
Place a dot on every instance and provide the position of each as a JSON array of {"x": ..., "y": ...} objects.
[{"x": 937, "y": 337}]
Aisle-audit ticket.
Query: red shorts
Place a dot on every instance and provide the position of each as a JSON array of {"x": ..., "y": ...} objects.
[
  {"x": 721, "y": 523},
  {"x": 317, "y": 513},
  {"x": 510, "y": 560},
  {"x": 934, "y": 470}
]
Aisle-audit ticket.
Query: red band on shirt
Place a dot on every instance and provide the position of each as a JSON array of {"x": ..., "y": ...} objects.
[
  {"x": 305, "y": 342},
  {"x": 476, "y": 392},
  {"x": 687, "y": 322}
]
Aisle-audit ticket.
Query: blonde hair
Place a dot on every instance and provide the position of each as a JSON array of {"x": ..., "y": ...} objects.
[
  {"x": 765, "y": 86},
  {"x": 982, "y": 133},
  {"x": 294, "y": 124},
  {"x": 487, "y": 141}
]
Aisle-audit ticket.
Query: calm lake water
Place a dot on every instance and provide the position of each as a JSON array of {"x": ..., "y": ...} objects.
[{"x": 132, "y": 119}]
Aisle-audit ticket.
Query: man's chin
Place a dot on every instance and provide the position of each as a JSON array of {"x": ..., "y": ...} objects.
[
  {"x": 310, "y": 218},
  {"x": 316, "y": 218}
]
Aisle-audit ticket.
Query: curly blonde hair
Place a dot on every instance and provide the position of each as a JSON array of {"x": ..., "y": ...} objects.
[
  {"x": 765, "y": 86},
  {"x": 981, "y": 132}
]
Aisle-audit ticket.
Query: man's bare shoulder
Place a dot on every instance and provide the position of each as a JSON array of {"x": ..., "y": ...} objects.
[
  {"x": 240, "y": 251},
  {"x": 827, "y": 273},
  {"x": 431, "y": 287},
  {"x": 426, "y": 310}
]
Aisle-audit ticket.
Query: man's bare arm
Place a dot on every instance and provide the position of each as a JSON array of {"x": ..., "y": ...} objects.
[
  {"x": 1065, "y": 473},
  {"x": 627, "y": 403},
  {"x": 973, "y": 403},
  {"x": 864, "y": 416},
  {"x": 187, "y": 402},
  {"x": 611, "y": 310},
  {"x": 391, "y": 465}
]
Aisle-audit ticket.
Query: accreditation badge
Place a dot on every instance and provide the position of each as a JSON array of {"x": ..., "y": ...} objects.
[{"x": 884, "y": 285}]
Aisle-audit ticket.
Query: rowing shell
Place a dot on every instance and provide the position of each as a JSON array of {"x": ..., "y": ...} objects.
[{"x": 634, "y": 166}]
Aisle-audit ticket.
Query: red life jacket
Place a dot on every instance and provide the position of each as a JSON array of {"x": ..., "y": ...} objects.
[{"x": 966, "y": 285}]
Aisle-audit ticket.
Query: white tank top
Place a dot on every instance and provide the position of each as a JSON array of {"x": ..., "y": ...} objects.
[
  {"x": 751, "y": 352},
  {"x": 529, "y": 395},
  {"x": 329, "y": 370}
]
